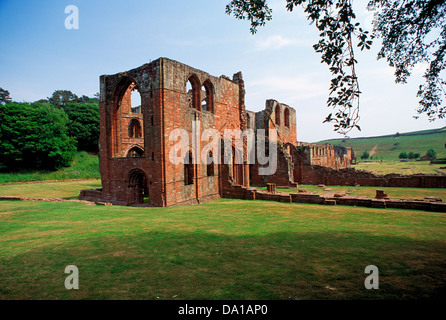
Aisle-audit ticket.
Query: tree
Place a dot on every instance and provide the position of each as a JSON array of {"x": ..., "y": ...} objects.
[
  {"x": 403, "y": 155},
  {"x": 34, "y": 136},
  {"x": 431, "y": 154},
  {"x": 411, "y": 155},
  {"x": 84, "y": 125},
  {"x": 412, "y": 31},
  {"x": 365, "y": 155},
  {"x": 61, "y": 97},
  {"x": 4, "y": 96}
]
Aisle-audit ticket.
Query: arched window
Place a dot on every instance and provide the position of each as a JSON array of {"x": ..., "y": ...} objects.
[
  {"x": 188, "y": 169},
  {"x": 248, "y": 121},
  {"x": 287, "y": 117},
  {"x": 134, "y": 129},
  {"x": 135, "y": 152},
  {"x": 277, "y": 114},
  {"x": 210, "y": 164},
  {"x": 204, "y": 100},
  {"x": 135, "y": 100},
  {"x": 207, "y": 96},
  {"x": 193, "y": 92},
  {"x": 127, "y": 105}
]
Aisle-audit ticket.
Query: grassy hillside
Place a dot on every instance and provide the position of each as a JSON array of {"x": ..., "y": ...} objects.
[
  {"x": 390, "y": 146},
  {"x": 84, "y": 166}
]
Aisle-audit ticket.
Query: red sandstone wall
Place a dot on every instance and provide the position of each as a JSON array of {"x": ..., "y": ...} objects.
[
  {"x": 321, "y": 175},
  {"x": 178, "y": 115},
  {"x": 114, "y": 108}
]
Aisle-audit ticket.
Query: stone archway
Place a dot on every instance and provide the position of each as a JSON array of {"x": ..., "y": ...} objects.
[{"x": 137, "y": 187}]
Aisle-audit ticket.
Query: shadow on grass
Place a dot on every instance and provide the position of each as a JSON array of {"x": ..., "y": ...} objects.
[{"x": 206, "y": 265}]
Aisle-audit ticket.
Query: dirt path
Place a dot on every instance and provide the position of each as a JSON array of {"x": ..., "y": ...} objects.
[{"x": 374, "y": 150}]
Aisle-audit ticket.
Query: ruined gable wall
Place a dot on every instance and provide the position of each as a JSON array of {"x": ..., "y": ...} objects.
[
  {"x": 113, "y": 167},
  {"x": 286, "y": 130},
  {"x": 177, "y": 114}
]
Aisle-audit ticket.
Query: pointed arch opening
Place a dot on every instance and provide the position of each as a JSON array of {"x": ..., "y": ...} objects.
[
  {"x": 135, "y": 152},
  {"x": 127, "y": 121},
  {"x": 193, "y": 92},
  {"x": 138, "y": 189},
  {"x": 207, "y": 92},
  {"x": 188, "y": 169},
  {"x": 277, "y": 115},
  {"x": 286, "y": 115},
  {"x": 135, "y": 129},
  {"x": 210, "y": 164}
]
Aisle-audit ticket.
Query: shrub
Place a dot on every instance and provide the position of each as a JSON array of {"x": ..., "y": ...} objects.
[
  {"x": 83, "y": 125},
  {"x": 34, "y": 136}
]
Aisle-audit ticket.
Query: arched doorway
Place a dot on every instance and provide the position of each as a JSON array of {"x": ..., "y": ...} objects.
[{"x": 138, "y": 190}]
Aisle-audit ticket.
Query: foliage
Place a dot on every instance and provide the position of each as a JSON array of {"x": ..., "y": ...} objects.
[
  {"x": 34, "y": 136},
  {"x": 83, "y": 166},
  {"x": 61, "y": 97},
  {"x": 413, "y": 155},
  {"x": 414, "y": 32},
  {"x": 4, "y": 96},
  {"x": 84, "y": 124},
  {"x": 365, "y": 155},
  {"x": 403, "y": 155},
  {"x": 431, "y": 154},
  {"x": 406, "y": 28}
]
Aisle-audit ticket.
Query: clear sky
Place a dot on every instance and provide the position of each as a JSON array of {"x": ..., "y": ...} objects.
[{"x": 38, "y": 55}]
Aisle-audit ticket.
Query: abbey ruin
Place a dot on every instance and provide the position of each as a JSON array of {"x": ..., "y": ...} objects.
[{"x": 135, "y": 145}]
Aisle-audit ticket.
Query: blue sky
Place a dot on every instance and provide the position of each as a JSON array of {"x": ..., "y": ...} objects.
[{"x": 38, "y": 55}]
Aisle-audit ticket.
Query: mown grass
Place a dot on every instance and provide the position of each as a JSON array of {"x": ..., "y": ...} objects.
[
  {"x": 62, "y": 189},
  {"x": 225, "y": 249},
  {"x": 370, "y": 192},
  {"x": 84, "y": 166}
]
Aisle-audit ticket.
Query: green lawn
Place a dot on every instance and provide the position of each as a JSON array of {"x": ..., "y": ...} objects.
[
  {"x": 84, "y": 166},
  {"x": 370, "y": 192},
  {"x": 62, "y": 189},
  {"x": 225, "y": 249}
]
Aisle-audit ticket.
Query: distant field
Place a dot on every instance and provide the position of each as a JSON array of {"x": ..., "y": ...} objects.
[
  {"x": 389, "y": 147},
  {"x": 410, "y": 167},
  {"x": 84, "y": 166}
]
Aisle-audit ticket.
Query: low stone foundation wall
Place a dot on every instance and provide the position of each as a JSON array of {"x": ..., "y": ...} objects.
[
  {"x": 280, "y": 197},
  {"x": 239, "y": 192},
  {"x": 90, "y": 195},
  {"x": 350, "y": 177},
  {"x": 425, "y": 205}
]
